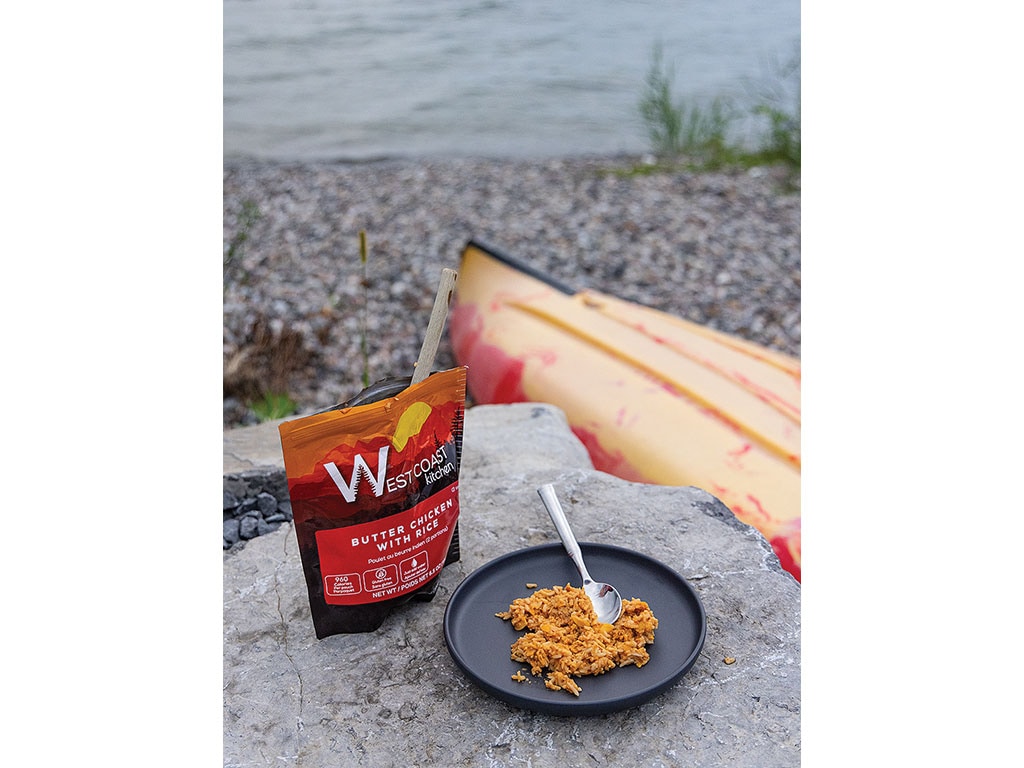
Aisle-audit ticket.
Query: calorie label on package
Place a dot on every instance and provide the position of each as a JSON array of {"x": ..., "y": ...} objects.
[{"x": 391, "y": 556}]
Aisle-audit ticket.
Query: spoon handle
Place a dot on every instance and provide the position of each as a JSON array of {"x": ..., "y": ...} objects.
[{"x": 554, "y": 508}]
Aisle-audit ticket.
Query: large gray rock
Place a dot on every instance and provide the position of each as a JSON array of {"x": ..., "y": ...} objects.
[
  {"x": 253, "y": 448},
  {"x": 395, "y": 697}
]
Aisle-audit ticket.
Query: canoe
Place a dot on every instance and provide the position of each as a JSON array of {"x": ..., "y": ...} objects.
[{"x": 653, "y": 397}]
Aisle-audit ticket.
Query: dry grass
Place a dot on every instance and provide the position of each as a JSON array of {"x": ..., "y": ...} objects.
[{"x": 266, "y": 362}]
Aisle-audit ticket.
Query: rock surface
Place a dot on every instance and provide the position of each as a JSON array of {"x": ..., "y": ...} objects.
[{"x": 395, "y": 697}]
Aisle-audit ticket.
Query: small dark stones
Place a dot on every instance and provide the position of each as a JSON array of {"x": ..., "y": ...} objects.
[
  {"x": 255, "y": 504},
  {"x": 266, "y": 503},
  {"x": 248, "y": 527},
  {"x": 231, "y": 536}
]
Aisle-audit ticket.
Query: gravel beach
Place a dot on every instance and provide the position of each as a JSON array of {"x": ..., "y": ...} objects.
[{"x": 718, "y": 248}]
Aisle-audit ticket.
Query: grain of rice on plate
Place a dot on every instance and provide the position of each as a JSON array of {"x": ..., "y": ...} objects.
[{"x": 566, "y": 638}]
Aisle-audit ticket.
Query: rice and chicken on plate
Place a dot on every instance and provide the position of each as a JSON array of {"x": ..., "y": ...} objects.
[{"x": 565, "y": 638}]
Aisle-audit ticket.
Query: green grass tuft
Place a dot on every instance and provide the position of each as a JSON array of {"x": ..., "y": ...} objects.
[
  {"x": 697, "y": 136},
  {"x": 273, "y": 406}
]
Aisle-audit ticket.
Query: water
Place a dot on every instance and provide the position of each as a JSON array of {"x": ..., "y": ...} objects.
[{"x": 357, "y": 79}]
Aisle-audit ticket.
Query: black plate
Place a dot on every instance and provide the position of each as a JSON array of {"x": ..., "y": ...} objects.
[{"x": 480, "y": 642}]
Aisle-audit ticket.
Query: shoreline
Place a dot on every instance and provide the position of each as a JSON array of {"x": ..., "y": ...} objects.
[
  {"x": 720, "y": 248},
  {"x": 624, "y": 156}
]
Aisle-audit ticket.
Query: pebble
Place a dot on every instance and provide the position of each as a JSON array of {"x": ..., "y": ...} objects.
[
  {"x": 720, "y": 248},
  {"x": 255, "y": 503}
]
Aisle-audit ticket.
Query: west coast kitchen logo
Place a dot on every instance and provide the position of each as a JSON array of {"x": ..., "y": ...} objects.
[{"x": 430, "y": 469}]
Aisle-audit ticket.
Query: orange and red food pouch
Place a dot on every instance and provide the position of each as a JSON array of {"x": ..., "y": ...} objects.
[{"x": 374, "y": 486}]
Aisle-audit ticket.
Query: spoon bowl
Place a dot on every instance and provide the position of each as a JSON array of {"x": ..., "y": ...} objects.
[{"x": 604, "y": 597}]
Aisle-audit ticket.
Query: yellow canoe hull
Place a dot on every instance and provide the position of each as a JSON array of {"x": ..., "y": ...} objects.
[{"x": 654, "y": 398}]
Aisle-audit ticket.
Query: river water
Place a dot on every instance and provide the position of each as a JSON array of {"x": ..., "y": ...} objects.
[{"x": 360, "y": 79}]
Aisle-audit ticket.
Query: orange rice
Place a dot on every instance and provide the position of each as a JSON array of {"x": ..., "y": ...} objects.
[{"x": 566, "y": 638}]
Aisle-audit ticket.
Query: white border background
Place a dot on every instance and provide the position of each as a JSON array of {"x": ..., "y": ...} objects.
[{"x": 112, "y": 337}]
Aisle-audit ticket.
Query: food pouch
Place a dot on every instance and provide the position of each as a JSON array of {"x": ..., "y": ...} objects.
[{"x": 374, "y": 486}]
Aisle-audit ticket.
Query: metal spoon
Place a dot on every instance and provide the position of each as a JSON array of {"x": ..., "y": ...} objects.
[{"x": 605, "y": 598}]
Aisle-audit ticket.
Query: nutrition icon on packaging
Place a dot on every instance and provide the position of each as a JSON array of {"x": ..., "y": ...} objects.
[{"x": 342, "y": 584}]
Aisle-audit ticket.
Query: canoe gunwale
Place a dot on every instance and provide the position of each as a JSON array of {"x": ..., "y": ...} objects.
[{"x": 520, "y": 266}]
